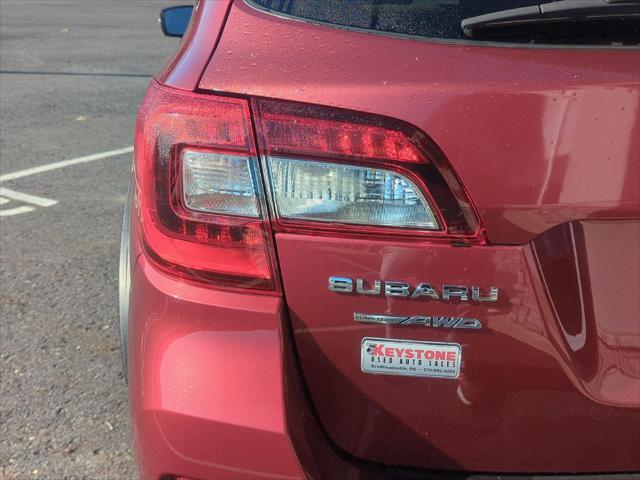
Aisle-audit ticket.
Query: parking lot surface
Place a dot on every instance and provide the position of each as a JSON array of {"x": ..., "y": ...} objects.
[{"x": 72, "y": 74}]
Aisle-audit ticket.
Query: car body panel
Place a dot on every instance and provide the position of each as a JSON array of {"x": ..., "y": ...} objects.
[
  {"x": 206, "y": 381},
  {"x": 521, "y": 393},
  {"x": 184, "y": 69}
]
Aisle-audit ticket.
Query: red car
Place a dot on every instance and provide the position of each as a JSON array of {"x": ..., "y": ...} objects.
[{"x": 385, "y": 240}]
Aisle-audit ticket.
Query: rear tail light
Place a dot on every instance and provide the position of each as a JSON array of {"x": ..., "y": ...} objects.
[
  {"x": 203, "y": 209},
  {"x": 343, "y": 171},
  {"x": 202, "y": 203}
]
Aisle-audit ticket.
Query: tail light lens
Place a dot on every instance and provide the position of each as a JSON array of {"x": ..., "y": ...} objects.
[
  {"x": 219, "y": 183},
  {"x": 347, "y": 172},
  {"x": 203, "y": 211},
  {"x": 336, "y": 193},
  {"x": 202, "y": 204}
]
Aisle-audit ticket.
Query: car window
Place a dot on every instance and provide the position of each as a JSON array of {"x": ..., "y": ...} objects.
[
  {"x": 443, "y": 18},
  {"x": 427, "y": 18}
]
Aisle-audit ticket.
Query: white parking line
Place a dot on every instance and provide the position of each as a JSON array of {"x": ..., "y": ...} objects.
[
  {"x": 64, "y": 163},
  {"x": 26, "y": 198},
  {"x": 7, "y": 194},
  {"x": 16, "y": 211}
]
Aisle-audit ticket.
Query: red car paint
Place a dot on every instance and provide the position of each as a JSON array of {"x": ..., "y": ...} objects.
[
  {"x": 193, "y": 413},
  {"x": 184, "y": 69},
  {"x": 546, "y": 141}
]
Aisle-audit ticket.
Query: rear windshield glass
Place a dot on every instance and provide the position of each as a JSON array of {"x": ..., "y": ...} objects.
[{"x": 442, "y": 19}]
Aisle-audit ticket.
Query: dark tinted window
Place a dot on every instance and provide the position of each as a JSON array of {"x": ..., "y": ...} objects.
[
  {"x": 442, "y": 19},
  {"x": 427, "y": 18}
]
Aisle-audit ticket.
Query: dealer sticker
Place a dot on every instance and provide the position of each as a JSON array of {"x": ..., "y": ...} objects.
[{"x": 405, "y": 357}]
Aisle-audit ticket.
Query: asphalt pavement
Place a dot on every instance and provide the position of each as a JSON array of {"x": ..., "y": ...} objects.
[{"x": 72, "y": 74}]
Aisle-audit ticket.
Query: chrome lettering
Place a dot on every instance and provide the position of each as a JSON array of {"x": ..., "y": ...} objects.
[
  {"x": 476, "y": 296},
  {"x": 403, "y": 289},
  {"x": 340, "y": 284},
  {"x": 426, "y": 321},
  {"x": 377, "y": 284},
  {"x": 425, "y": 289},
  {"x": 459, "y": 291},
  {"x": 446, "y": 322},
  {"x": 396, "y": 289}
]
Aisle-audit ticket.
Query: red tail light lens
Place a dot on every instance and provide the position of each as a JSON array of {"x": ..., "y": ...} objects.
[
  {"x": 202, "y": 204},
  {"x": 330, "y": 134}
]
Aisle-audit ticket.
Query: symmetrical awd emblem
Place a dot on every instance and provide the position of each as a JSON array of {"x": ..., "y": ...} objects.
[{"x": 426, "y": 321}]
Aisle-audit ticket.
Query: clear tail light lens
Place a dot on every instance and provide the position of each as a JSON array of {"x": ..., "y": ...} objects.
[
  {"x": 218, "y": 183},
  {"x": 332, "y": 192}
]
